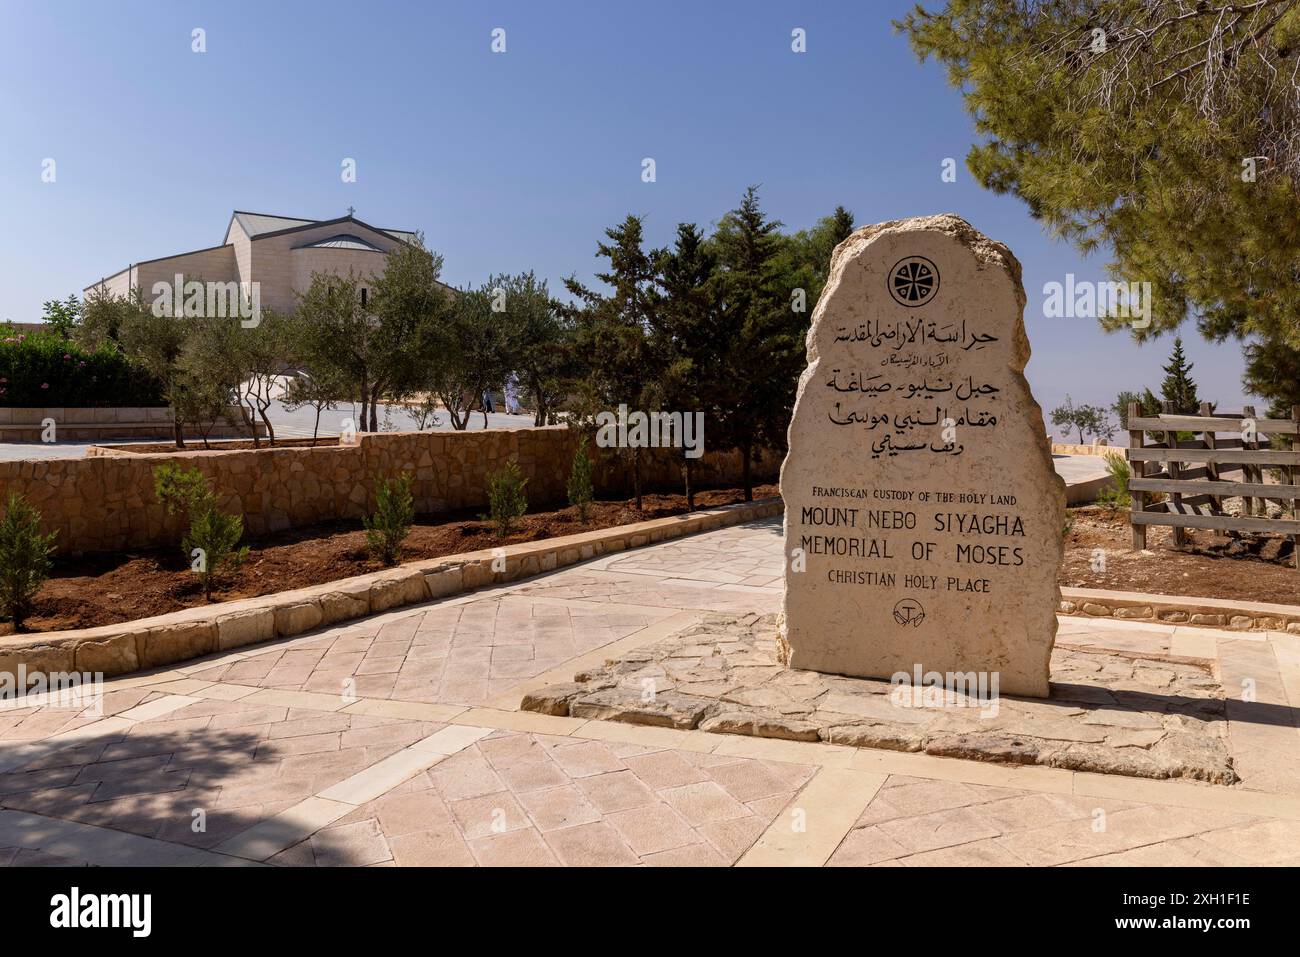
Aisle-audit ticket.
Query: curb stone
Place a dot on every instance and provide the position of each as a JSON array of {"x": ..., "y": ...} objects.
[{"x": 1179, "y": 610}]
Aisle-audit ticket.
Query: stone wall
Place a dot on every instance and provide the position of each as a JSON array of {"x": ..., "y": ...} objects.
[
  {"x": 102, "y": 424},
  {"x": 1097, "y": 448},
  {"x": 105, "y": 501}
]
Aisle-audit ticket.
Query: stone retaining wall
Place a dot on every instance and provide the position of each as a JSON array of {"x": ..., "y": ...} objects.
[
  {"x": 194, "y": 632},
  {"x": 105, "y": 501},
  {"x": 1067, "y": 448},
  {"x": 95, "y": 424},
  {"x": 108, "y": 415}
]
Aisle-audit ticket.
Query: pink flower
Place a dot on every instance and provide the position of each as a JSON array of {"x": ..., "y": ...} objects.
[{"x": 45, "y": 385}]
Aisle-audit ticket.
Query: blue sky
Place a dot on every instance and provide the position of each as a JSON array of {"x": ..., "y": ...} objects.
[{"x": 506, "y": 161}]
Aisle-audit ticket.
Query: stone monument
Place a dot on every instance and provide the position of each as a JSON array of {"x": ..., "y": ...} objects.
[{"x": 923, "y": 517}]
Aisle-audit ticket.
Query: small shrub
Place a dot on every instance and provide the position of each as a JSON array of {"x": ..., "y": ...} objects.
[
  {"x": 212, "y": 544},
  {"x": 580, "y": 491},
  {"x": 1116, "y": 495},
  {"x": 507, "y": 500},
  {"x": 181, "y": 491},
  {"x": 211, "y": 537},
  {"x": 42, "y": 369},
  {"x": 391, "y": 521},
  {"x": 426, "y": 413},
  {"x": 24, "y": 558}
]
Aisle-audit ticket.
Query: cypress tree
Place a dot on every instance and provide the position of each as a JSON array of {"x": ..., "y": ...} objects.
[
  {"x": 613, "y": 331},
  {"x": 1178, "y": 386},
  {"x": 685, "y": 336},
  {"x": 761, "y": 339}
]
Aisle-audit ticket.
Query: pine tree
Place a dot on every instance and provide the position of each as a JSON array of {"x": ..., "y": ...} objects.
[
  {"x": 684, "y": 335},
  {"x": 1273, "y": 374},
  {"x": 760, "y": 337},
  {"x": 25, "y": 558},
  {"x": 1164, "y": 131},
  {"x": 1178, "y": 386},
  {"x": 579, "y": 486},
  {"x": 613, "y": 331},
  {"x": 390, "y": 523},
  {"x": 1148, "y": 404},
  {"x": 840, "y": 224},
  {"x": 806, "y": 258}
]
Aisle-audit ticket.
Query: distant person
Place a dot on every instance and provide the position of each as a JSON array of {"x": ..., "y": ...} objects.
[
  {"x": 487, "y": 402},
  {"x": 512, "y": 396}
]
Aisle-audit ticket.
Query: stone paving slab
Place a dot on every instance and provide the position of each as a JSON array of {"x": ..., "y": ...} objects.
[
  {"x": 454, "y": 653},
  {"x": 482, "y": 784},
  {"x": 517, "y": 799},
  {"x": 916, "y": 822}
]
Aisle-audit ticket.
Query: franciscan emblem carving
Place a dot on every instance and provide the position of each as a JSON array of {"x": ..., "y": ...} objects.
[
  {"x": 909, "y": 612},
  {"x": 913, "y": 281}
]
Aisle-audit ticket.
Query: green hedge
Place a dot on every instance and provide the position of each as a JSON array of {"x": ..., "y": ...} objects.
[{"x": 44, "y": 370}]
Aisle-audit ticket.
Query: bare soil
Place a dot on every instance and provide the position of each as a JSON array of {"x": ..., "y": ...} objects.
[
  {"x": 1210, "y": 565},
  {"x": 109, "y": 589}
]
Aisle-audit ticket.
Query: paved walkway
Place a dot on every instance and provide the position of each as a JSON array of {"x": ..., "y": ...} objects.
[
  {"x": 395, "y": 740},
  {"x": 1077, "y": 469}
]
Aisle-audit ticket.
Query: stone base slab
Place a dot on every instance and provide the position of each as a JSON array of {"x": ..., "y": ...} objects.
[{"x": 1107, "y": 713}]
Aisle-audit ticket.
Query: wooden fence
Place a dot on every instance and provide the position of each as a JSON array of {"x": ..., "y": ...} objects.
[{"x": 1195, "y": 475}]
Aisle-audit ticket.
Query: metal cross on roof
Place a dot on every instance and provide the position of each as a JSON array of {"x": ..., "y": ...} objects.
[{"x": 351, "y": 210}]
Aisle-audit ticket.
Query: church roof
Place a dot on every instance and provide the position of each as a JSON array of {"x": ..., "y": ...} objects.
[
  {"x": 342, "y": 241},
  {"x": 261, "y": 225},
  {"x": 254, "y": 224},
  {"x": 257, "y": 225}
]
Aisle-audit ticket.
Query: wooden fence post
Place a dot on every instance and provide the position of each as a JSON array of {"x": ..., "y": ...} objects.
[
  {"x": 1211, "y": 468},
  {"x": 1137, "y": 500},
  {"x": 1290, "y": 478},
  {"x": 1171, "y": 467},
  {"x": 1175, "y": 471},
  {"x": 1248, "y": 471}
]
